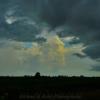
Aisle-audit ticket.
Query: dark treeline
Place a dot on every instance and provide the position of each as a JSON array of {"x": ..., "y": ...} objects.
[{"x": 45, "y": 85}]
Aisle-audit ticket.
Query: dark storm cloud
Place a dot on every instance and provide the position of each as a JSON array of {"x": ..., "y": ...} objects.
[
  {"x": 19, "y": 32},
  {"x": 93, "y": 50},
  {"x": 96, "y": 68},
  {"x": 81, "y": 16},
  {"x": 79, "y": 55},
  {"x": 19, "y": 20}
]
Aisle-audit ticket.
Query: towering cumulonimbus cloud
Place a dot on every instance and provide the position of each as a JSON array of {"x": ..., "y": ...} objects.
[{"x": 79, "y": 18}]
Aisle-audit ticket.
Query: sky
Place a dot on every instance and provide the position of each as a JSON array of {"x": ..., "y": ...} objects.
[{"x": 53, "y": 37}]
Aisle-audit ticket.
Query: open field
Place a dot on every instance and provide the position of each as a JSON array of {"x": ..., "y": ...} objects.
[{"x": 49, "y": 88}]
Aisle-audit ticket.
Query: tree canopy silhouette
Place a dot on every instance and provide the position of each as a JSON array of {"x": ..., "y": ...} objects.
[{"x": 37, "y": 74}]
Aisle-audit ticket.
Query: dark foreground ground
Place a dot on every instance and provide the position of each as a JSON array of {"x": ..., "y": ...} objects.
[{"x": 49, "y": 88}]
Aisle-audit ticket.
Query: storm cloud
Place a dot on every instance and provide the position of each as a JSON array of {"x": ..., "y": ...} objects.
[
  {"x": 22, "y": 20},
  {"x": 95, "y": 68}
]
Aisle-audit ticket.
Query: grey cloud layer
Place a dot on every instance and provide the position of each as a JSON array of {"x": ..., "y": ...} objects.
[
  {"x": 96, "y": 68},
  {"x": 82, "y": 16}
]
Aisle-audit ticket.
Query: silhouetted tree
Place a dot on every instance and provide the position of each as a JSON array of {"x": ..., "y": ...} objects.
[
  {"x": 81, "y": 76},
  {"x": 37, "y": 74}
]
